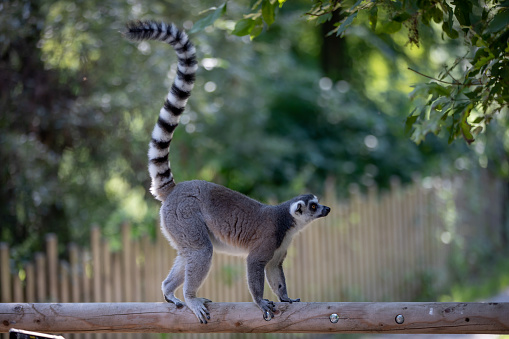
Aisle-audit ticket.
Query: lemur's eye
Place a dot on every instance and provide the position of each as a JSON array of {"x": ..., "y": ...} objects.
[{"x": 313, "y": 207}]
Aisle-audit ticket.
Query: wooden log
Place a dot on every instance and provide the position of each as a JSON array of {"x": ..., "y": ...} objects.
[{"x": 489, "y": 318}]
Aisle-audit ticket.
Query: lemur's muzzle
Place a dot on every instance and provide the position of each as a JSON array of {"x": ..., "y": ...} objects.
[{"x": 325, "y": 211}]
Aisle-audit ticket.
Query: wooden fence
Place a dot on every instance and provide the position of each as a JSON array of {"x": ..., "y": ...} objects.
[{"x": 377, "y": 247}]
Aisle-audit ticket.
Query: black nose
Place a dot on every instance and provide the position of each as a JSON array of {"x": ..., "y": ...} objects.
[{"x": 325, "y": 210}]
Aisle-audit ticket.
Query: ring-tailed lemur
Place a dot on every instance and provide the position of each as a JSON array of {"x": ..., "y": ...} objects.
[{"x": 197, "y": 216}]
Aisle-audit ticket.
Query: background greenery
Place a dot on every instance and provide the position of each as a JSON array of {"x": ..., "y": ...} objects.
[{"x": 270, "y": 117}]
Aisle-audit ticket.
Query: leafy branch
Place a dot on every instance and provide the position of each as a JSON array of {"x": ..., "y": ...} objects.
[
  {"x": 481, "y": 89},
  {"x": 438, "y": 80}
]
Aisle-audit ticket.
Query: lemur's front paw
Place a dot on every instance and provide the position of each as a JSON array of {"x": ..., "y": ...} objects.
[
  {"x": 268, "y": 308},
  {"x": 197, "y": 305},
  {"x": 285, "y": 299}
]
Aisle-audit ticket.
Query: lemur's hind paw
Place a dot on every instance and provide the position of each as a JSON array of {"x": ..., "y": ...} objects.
[
  {"x": 175, "y": 301},
  {"x": 289, "y": 300}
]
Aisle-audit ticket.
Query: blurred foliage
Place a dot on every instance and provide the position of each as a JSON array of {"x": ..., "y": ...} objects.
[
  {"x": 492, "y": 279},
  {"x": 477, "y": 85},
  {"x": 270, "y": 117}
]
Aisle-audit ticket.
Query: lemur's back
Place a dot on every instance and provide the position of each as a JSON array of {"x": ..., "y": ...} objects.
[{"x": 233, "y": 218}]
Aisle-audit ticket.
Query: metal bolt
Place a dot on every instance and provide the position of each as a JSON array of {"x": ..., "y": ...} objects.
[
  {"x": 334, "y": 318},
  {"x": 400, "y": 319},
  {"x": 267, "y": 316}
]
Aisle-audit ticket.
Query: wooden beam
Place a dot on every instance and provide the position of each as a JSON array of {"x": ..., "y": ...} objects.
[{"x": 303, "y": 317}]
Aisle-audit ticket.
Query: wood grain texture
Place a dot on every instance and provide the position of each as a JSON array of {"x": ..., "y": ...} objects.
[{"x": 489, "y": 318}]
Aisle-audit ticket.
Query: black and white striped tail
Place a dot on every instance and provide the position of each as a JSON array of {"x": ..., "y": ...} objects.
[{"x": 174, "y": 105}]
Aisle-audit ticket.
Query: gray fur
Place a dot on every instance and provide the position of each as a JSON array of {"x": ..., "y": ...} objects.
[{"x": 199, "y": 217}]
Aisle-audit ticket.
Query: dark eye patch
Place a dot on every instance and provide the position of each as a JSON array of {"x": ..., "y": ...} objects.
[{"x": 312, "y": 207}]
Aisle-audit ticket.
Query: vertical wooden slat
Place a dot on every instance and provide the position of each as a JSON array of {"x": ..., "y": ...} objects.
[
  {"x": 52, "y": 266},
  {"x": 85, "y": 260},
  {"x": 385, "y": 238},
  {"x": 75, "y": 273},
  {"x": 30, "y": 283},
  {"x": 40, "y": 274},
  {"x": 107, "y": 286},
  {"x": 64, "y": 295},
  {"x": 17, "y": 289},
  {"x": 335, "y": 245},
  {"x": 86, "y": 285},
  {"x": 136, "y": 264},
  {"x": 5, "y": 278},
  {"x": 342, "y": 250},
  {"x": 416, "y": 238},
  {"x": 162, "y": 263},
  {"x": 370, "y": 243},
  {"x": 116, "y": 264},
  {"x": 126, "y": 263},
  {"x": 95, "y": 246},
  {"x": 354, "y": 218},
  {"x": 148, "y": 272},
  {"x": 5, "y": 273},
  {"x": 106, "y": 274}
]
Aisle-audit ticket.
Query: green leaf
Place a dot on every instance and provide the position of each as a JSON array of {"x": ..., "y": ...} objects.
[
  {"x": 438, "y": 90},
  {"x": 244, "y": 27},
  {"x": 409, "y": 124},
  {"x": 451, "y": 32},
  {"x": 401, "y": 17},
  {"x": 466, "y": 128},
  {"x": 323, "y": 18},
  {"x": 462, "y": 11},
  {"x": 437, "y": 14},
  {"x": 391, "y": 27},
  {"x": 355, "y": 5},
  {"x": 209, "y": 19},
  {"x": 268, "y": 12},
  {"x": 500, "y": 21},
  {"x": 471, "y": 95},
  {"x": 257, "y": 30},
  {"x": 348, "y": 21},
  {"x": 373, "y": 17},
  {"x": 441, "y": 104}
]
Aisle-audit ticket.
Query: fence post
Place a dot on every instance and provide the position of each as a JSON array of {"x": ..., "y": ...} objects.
[
  {"x": 30, "y": 283},
  {"x": 95, "y": 246},
  {"x": 126, "y": 263},
  {"x": 52, "y": 258},
  {"x": 40, "y": 276},
  {"x": 5, "y": 273}
]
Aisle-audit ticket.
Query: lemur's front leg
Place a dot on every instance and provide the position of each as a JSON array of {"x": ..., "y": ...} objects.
[{"x": 277, "y": 282}]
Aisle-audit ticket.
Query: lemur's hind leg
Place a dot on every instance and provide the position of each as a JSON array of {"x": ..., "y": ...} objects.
[
  {"x": 198, "y": 262},
  {"x": 174, "y": 279}
]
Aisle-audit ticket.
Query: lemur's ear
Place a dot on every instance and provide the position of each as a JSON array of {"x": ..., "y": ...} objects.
[
  {"x": 296, "y": 208},
  {"x": 299, "y": 207}
]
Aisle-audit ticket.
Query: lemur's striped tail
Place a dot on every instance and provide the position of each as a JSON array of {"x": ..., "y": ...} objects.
[{"x": 159, "y": 147}]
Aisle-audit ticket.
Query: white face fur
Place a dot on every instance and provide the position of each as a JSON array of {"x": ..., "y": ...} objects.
[{"x": 304, "y": 214}]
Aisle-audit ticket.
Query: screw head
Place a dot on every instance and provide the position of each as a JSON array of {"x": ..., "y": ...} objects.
[
  {"x": 400, "y": 319},
  {"x": 334, "y": 318},
  {"x": 267, "y": 316}
]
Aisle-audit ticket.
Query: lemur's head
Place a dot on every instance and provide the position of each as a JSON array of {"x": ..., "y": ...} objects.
[{"x": 305, "y": 208}]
